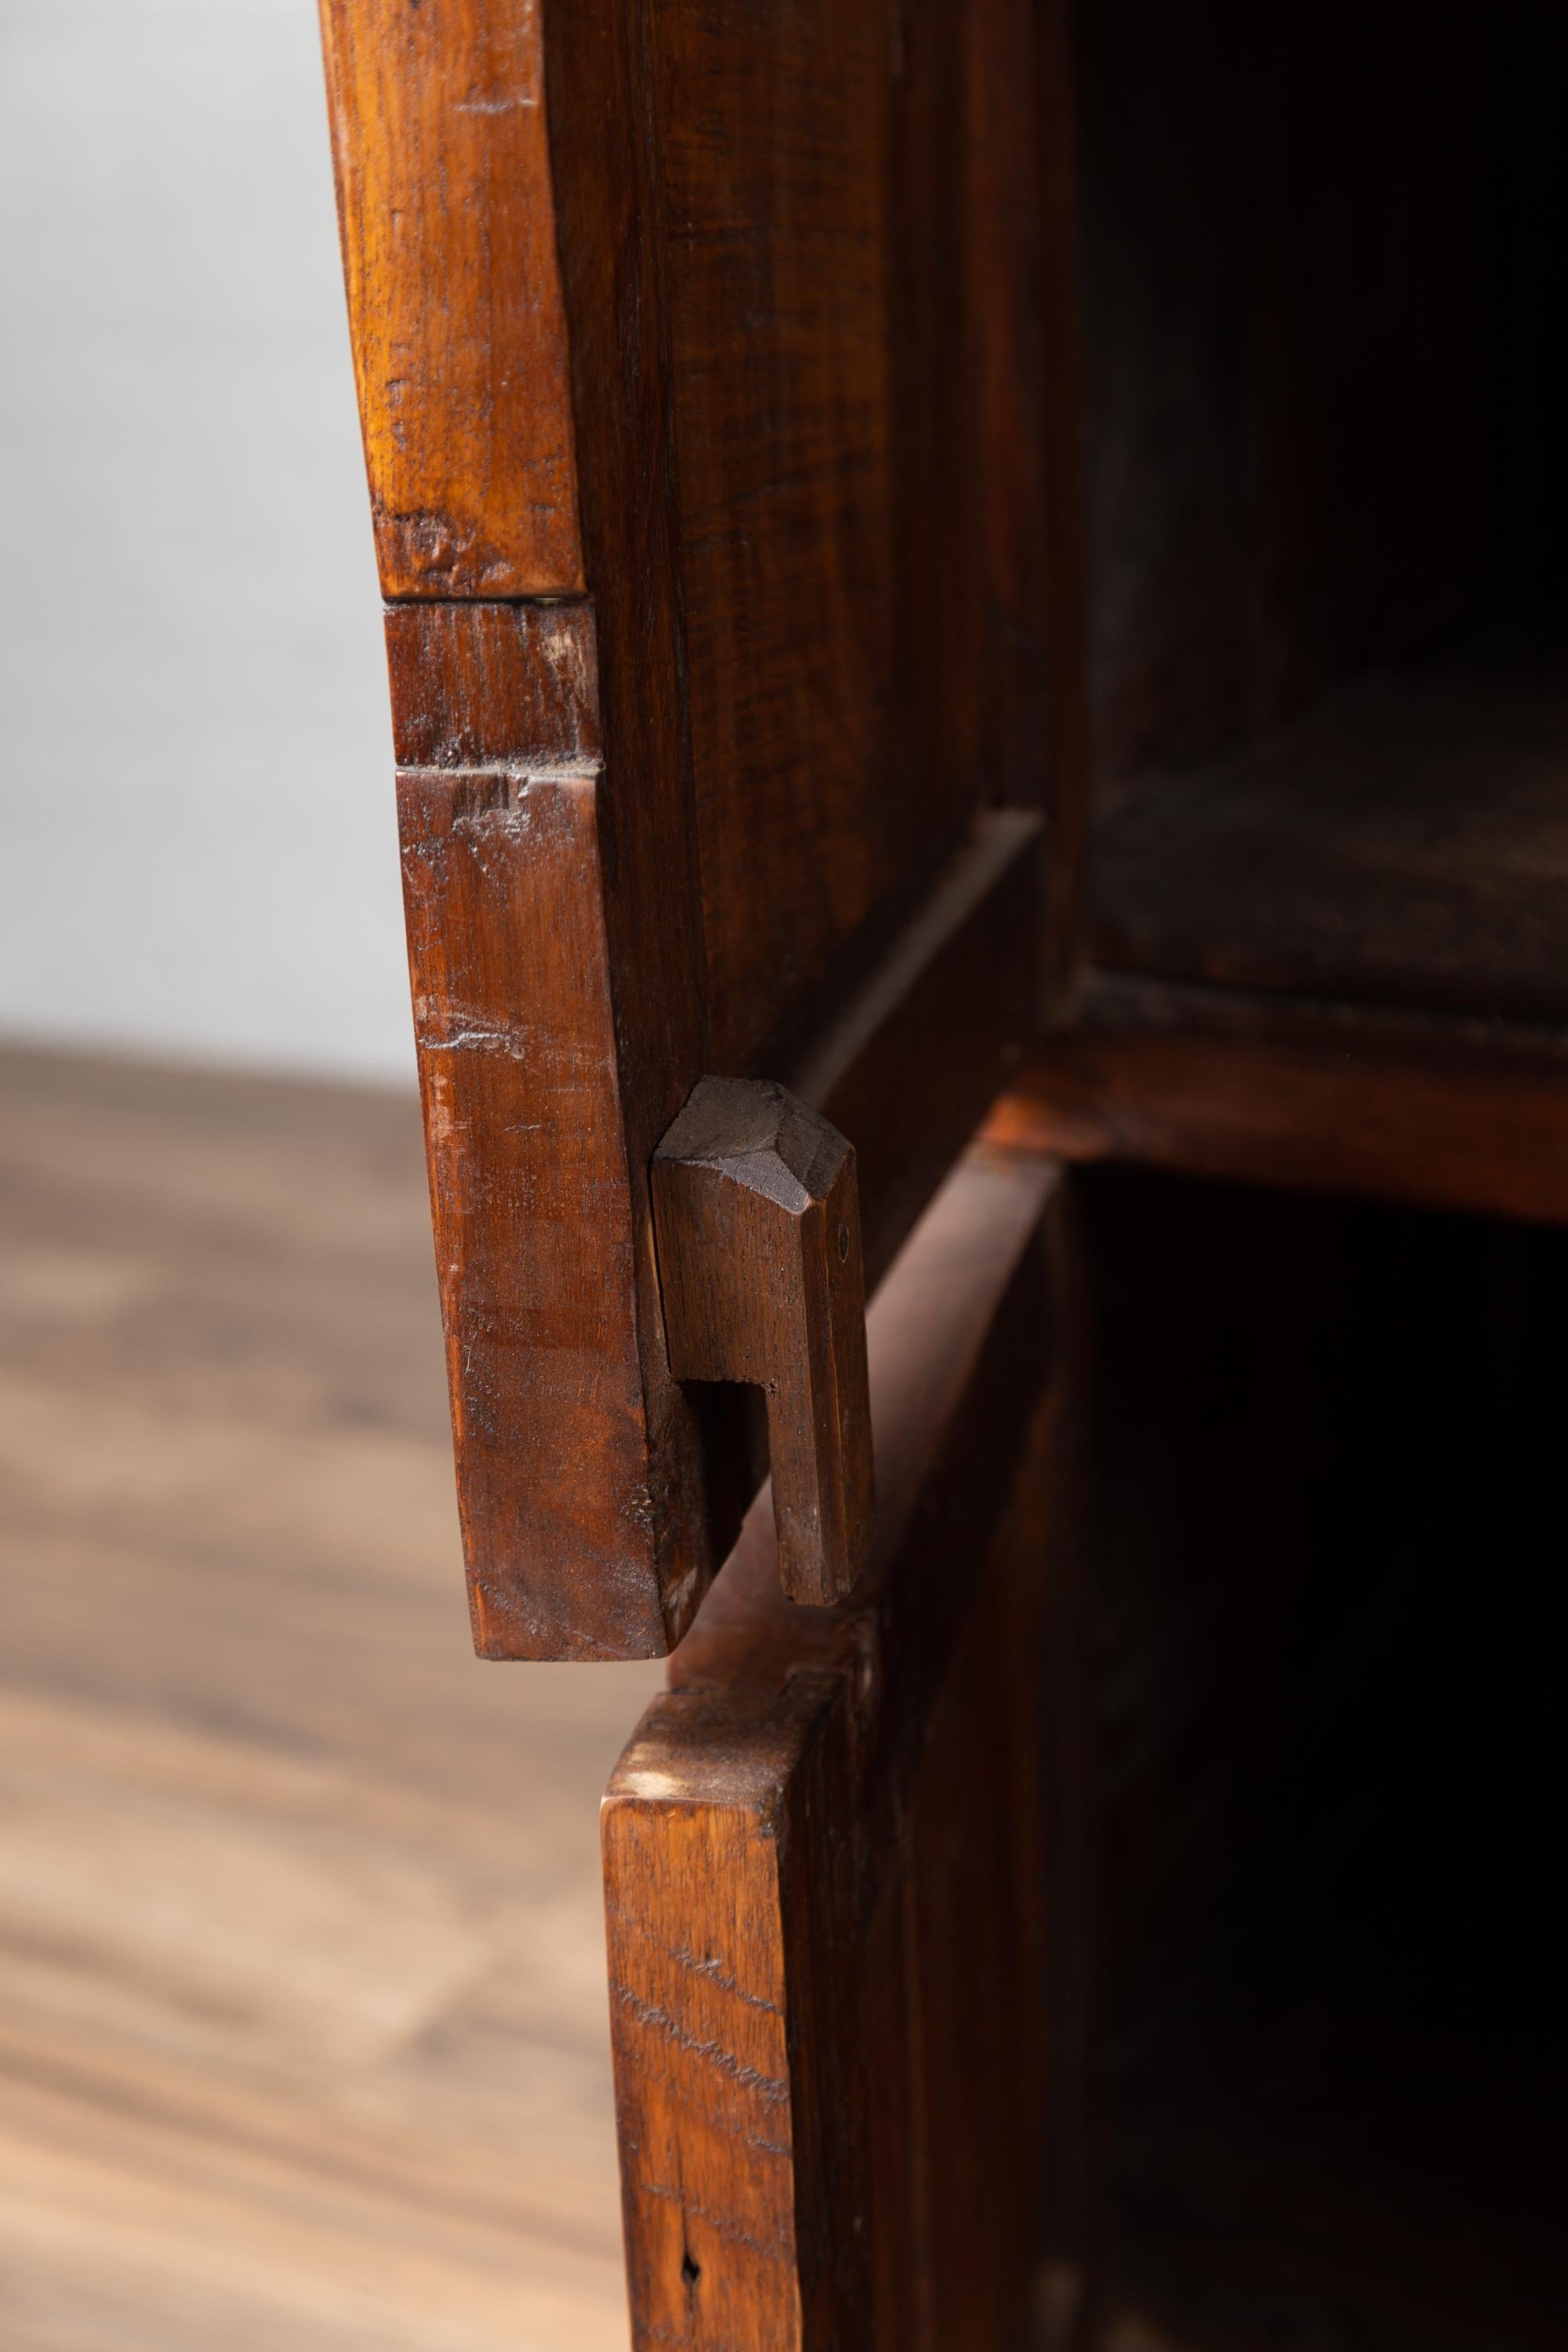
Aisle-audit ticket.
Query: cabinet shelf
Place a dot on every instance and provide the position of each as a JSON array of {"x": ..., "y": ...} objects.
[{"x": 1403, "y": 845}]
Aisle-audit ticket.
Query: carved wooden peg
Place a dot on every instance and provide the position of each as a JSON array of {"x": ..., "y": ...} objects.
[{"x": 758, "y": 1222}]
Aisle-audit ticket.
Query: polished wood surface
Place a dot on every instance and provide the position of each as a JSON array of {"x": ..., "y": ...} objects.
[
  {"x": 546, "y": 1277},
  {"x": 455, "y": 298},
  {"x": 758, "y": 1216},
  {"x": 937, "y": 1027},
  {"x": 797, "y": 285},
  {"x": 826, "y": 197},
  {"x": 302, "y": 2014},
  {"x": 1315, "y": 1098},
  {"x": 829, "y": 1885}
]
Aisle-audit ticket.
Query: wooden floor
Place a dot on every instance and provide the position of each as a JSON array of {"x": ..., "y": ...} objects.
[{"x": 302, "y": 2030}]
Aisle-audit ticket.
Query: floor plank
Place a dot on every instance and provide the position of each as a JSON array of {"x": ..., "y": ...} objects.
[{"x": 302, "y": 2027}]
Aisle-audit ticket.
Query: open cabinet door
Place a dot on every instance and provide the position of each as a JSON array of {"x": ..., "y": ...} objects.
[
  {"x": 844, "y": 1863},
  {"x": 715, "y": 371},
  {"x": 711, "y": 363}
]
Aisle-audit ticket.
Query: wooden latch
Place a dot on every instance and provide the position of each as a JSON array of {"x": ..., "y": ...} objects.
[{"x": 757, "y": 1218}]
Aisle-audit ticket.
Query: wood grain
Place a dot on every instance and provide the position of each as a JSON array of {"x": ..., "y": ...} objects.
[
  {"x": 1058, "y": 566},
  {"x": 1404, "y": 843},
  {"x": 1460, "y": 1115},
  {"x": 730, "y": 312},
  {"x": 872, "y": 352},
  {"x": 822, "y": 1854},
  {"x": 759, "y": 1263},
  {"x": 445, "y": 202},
  {"x": 541, "y": 298},
  {"x": 797, "y": 456},
  {"x": 540, "y": 1207},
  {"x": 927, "y": 1043},
  {"x": 503, "y": 792},
  {"x": 303, "y": 2040},
  {"x": 774, "y": 132}
]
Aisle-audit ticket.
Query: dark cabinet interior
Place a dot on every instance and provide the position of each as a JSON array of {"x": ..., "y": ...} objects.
[
  {"x": 1325, "y": 383},
  {"x": 1325, "y": 379},
  {"x": 1330, "y": 1526}
]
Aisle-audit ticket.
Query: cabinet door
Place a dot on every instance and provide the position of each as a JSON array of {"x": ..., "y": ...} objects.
[
  {"x": 844, "y": 1863},
  {"x": 710, "y": 366}
]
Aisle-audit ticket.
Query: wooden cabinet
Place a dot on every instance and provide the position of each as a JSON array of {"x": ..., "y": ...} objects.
[
  {"x": 700, "y": 360},
  {"x": 969, "y": 587},
  {"x": 844, "y": 1863},
  {"x": 1325, "y": 489}
]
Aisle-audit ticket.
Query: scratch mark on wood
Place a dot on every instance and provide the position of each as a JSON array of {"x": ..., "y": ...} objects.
[
  {"x": 714, "y": 1972},
  {"x": 768, "y": 2087},
  {"x": 731, "y": 2231},
  {"x": 482, "y": 1041}
]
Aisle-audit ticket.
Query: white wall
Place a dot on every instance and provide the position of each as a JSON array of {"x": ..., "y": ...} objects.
[{"x": 197, "y": 852}]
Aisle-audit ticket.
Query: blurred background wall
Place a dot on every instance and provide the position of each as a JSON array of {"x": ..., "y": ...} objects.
[{"x": 197, "y": 852}]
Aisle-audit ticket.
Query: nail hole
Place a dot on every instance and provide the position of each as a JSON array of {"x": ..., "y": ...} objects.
[
  {"x": 689, "y": 2271},
  {"x": 843, "y": 1244}
]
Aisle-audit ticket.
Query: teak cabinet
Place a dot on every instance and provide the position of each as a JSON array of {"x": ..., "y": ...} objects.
[
  {"x": 698, "y": 376},
  {"x": 970, "y": 588}
]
